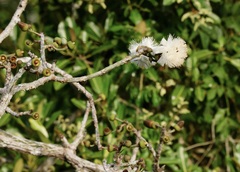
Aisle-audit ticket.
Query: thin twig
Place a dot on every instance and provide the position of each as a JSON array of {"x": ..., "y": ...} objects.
[
  {"x": 80, "y": 133},
  {"x": 159, "y": 150},
  {"x": 18, "y": 114},
  {"x": 96, "y": 74}
]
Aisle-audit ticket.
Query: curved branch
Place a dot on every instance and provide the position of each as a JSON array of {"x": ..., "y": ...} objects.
[
  {"x": 45, "y": 149},
  {"x": 15, "y": 19}
]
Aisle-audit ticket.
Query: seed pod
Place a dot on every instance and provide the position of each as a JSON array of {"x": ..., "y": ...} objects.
[
  {"x": 19, "y": 52},
  {"x": 151, "y": 124},
  {"x": 166, "y": 139},
  {"x": 142, "y": 144},
  {"x": 47, "y": 72},
  {"x": 106, "y": 131},
  {"x": 35, "y": 115},
  {"x": 29, "y": 43},
  {"x": 129, "y": 127},
  {"x": 71, "y": 45},
  {"x": 13, "y": 59},
  {"x": 36, "y": 62},
  {"x": 24, "y": 26},
  {"x": 3, "y": 58},
  {"x": 13, "y": 65}
]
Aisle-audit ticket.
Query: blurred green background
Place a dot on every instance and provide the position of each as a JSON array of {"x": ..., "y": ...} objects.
[{"x": 205, "y": 92}]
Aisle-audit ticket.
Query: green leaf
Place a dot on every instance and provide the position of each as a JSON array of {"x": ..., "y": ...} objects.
[
  {"x": 58, "y": 86},
  {"x": 200, "y": 93},
  {"x": 211, "y": 94},
  {"x": 135, "y": 16},
  {"x": 152, "y": 74},
  {"x": 168, "y": 2},
  {"x": 52, "y": 118},
  {"x": 18, "y": 167},
  {"x": 235, "y": 63},
  {"x": 5, "y": 119},
  {"x": 94, "y": 31},
  {"x": 81, "y": 104},
  {"x": 178, "y": 94},
  {"x": 37, "y": 126},
  {"x": 109, "y": 21}
]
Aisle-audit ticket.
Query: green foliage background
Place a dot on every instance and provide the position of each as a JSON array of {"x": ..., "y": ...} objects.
[{"x": 205, "y": 92}]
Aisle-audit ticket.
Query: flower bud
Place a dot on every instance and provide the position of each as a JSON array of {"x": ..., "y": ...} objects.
[
  {"x": 180, "y": 123},
  {"x": 151, "y": 124},
  {"x": 87, "y": 143},
  {"x": 55, "y": 45},
  {"x": 19, "y": 52},
  {"x": 126, "y": 158},
  {"x": 112, "y": 117},
  {"x": 112, "y": 148},
  {"x": 58, "y": 40},
  {"x": 24, "y": 26},
  {"x": 71, "y": 45},
  {"x": 128, "y": 143},
  {"x": 142, "y": 144}
]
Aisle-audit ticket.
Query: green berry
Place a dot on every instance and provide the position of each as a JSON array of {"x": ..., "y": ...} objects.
[
  {"x": 87, "y": 143},
  {"x": 127, "y": 158},
  {"x": 128, "y": 143},
  {"x": 142, "y": 144}
]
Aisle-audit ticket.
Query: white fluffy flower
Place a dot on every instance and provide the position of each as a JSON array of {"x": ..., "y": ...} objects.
[
  {"x": 174, "y": 52},
  {"x": 144, "y": 52}
]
